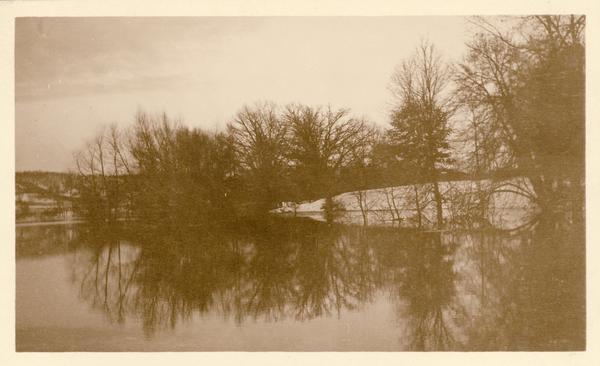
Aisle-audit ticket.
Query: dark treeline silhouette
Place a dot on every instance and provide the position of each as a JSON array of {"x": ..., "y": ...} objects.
[
  {"x": 513, "y": 105},
  {"x": 160, "y": 170}
]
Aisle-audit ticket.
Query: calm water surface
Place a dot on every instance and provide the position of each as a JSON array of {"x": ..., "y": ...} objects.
[{"x": 299, "y": 285}]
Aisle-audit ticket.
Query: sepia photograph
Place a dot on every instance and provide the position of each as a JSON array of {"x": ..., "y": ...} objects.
[{"x": 300, "y": 183}]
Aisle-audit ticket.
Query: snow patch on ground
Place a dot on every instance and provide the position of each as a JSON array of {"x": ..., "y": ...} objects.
[{"x": 508, "y": 203}]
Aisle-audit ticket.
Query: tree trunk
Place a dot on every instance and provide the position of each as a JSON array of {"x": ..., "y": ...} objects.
[
  {"x": 438, "y": 204},
  {"x": 418, "y": 205},
  {"x": 328, "y": 209},
  {"x": 392, "y": 205},
  {"x": 361, "y": 195}
]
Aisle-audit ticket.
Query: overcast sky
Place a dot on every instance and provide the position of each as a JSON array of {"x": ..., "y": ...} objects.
[{"x": 74, "y": 75}]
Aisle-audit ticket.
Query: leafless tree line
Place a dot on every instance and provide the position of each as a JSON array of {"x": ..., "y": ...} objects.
[{"x": 512, "y": 107}]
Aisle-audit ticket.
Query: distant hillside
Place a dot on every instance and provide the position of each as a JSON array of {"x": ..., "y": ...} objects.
[
  {"x": 44, "y": 183},
  {"x": 43, "y": 196}
]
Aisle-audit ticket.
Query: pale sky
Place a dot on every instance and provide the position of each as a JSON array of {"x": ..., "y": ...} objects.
[{"x": 74, "y": 75}]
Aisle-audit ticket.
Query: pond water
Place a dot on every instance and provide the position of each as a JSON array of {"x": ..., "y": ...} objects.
[{"x": 284, "y": 284}]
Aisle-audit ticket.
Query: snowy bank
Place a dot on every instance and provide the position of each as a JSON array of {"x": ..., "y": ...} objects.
[{"x": 504, "y": 204}]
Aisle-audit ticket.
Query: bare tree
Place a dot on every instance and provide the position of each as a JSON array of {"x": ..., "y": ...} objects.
[
  {"x": 323, "y": 141},
  {"x": 259, "y": 140},
  {"x": 101, "y": 167},
  {"x": 526, "y": 83},
  {"x": 420, "y": 119}
]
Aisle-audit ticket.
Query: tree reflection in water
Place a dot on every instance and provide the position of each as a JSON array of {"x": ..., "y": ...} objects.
[
  {"x": 272, "y": 270},
  {"x": 470, "y": 290},
  {"x": 532, "y": 293},
  {"x": 425, "y": 287}
]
